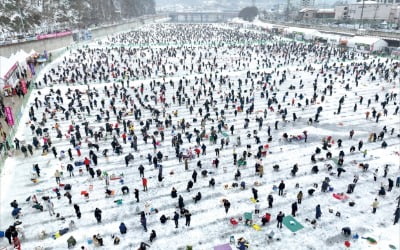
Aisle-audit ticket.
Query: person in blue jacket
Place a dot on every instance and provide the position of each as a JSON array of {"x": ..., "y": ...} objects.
[
  {"x": 122, "y": 228},
  {"x": 15, "y": 212}
]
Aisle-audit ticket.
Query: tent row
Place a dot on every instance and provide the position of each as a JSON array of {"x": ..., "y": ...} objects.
[
  {"x": 360, "y": 43},
  {"x": 19, "y": 65}
]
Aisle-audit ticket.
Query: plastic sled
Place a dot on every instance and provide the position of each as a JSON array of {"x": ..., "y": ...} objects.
[
  {"x": 119, "y": 202},
  {"x": 226, "y": 246},
  {"x": 341, "y": 197},
  {"x": 233, "y": 221},
  {"x": 56, "y": 235},
  {"x": 2, "y": 234},
  {"x": 84, "y": 192},
  {"x": 370, "y": 240},
  {"x": 242, "y": 163},
  {"x": 225, "y": 134},
  {"x": 253, "y": 200},
  {"x": 256, "y": 227}
]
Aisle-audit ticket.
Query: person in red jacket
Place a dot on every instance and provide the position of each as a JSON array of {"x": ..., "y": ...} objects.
[
  {"x": 144, "y": 182},
  {"x": 124, "y": 137},
  {"x": 87, "y": 163}
]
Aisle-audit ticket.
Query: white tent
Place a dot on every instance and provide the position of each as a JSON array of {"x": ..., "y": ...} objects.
[
  {"x": 20, "y": 57},
  {"x": 5, "y": 65},
  {"x": 307, "y": 34},
  {"x": 367, "y": 43}
]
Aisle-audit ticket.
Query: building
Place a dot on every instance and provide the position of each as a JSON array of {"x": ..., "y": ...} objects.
[
  {"x": 312, "y": 13},
  {"x": 382, "y": 1},
  {"x": 369, "y": 11}
]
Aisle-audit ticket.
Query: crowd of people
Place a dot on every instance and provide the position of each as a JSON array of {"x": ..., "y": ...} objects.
[{"x": 199, "y": 113}]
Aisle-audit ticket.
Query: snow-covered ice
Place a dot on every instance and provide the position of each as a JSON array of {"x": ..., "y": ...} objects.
[{"x": 209, "y": 68}]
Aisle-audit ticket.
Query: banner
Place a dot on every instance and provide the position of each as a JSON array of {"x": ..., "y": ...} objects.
[
  {"x": 53, "y": 35},
  {"x": 23, "y": 86},
  {"x": 10, "y": 72},
  {"x": 9, "y": 116}
]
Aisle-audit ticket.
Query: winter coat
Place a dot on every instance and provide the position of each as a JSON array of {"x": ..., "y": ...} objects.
[
  {"x": 300, "y": 196},
  {"x": 122, "y": 228},
  {"x": 57, "y": 174},
  {"x": 279, "y": 218},
  {"x": 176, "y": 217},
  {"x": 318, "y": 212},
  {"x": 375, "y": 204},
  {"x": 294, "y": 206},
  {"x": 143, "y": 220}
]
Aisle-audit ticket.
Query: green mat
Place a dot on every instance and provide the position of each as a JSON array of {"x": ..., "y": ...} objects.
[
  {"x": 291, "y": 223},
  {"x": 225, "y": 134},
  {"x": 335, "y": 160}
]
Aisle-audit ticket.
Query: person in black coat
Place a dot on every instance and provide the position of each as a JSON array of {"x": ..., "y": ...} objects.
[
  {"x": 270, "y": 200},
  {"x": 390, "y": 185},
  {"x": 227, "y": 205},
  {"x": 189, "y": 185},
  {"x": 194, "y": 176},
  {"x": 279, "y": 218},
  {"x": 14, "y": 204},
  {"x": 54, "y": 150},
  {"x": 396, "y": 215},
  {"x": 174, "y": 193},
  {"x": 294, "y": 209},
  {"x": 77, "y": 211},
  {"x": 180, "y": 202},
  {"x": 281, "y": 187},
  {"x": 141, "y": 170},
  {"x": 163, "y": 219},
  {"x": 136, "y": 194},
  {"x": 70, "y": 154},
  {"x": 30, "y": 149},
  {"x": 9, "y": 232},
  {"x": 37, "y": 169},
  {"x": 153, "y": 235},
  {"x": 176, "y": 219},
  {"x": 70, "y": 169},
  {"x": 255, "y": 193},
  {"x": 188, "y": 216},
  {"x": 197, "y": 197},
  {"x": 97, "y": 214},
  {"x": 91, "y": 172},
  {"x": 94, "y": 159}
]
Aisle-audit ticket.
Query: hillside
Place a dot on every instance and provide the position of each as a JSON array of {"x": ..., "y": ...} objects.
[{"x": 39, "y": 15}]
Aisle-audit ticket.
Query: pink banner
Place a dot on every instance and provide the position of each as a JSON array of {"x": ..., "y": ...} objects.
[
  {"x": 23, "y": 86},
  {"x": 53, "y": 35},
  {"x": 9, "y": 116}
]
